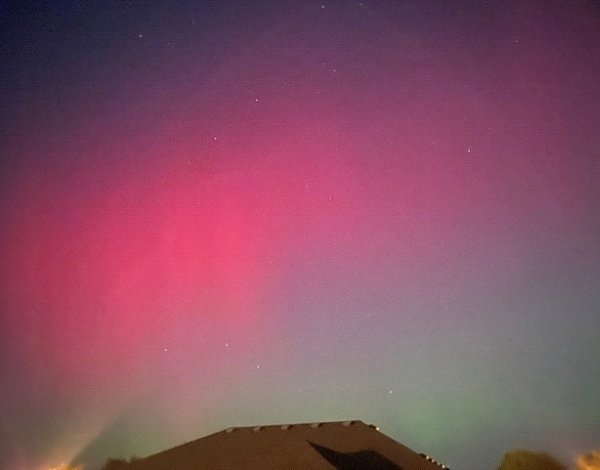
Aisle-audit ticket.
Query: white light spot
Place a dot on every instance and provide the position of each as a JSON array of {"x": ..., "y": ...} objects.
[
  {"x": 469, "y": 149},
  {"x": 140, "y": 35},
  {"x": 390, "y": 392},
  {"x": 258, "y": 366},
  {"x": 226, "y": 345},
  {"x": 256, "y": 100}
]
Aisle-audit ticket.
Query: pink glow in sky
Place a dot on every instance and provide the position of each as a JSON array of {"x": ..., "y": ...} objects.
[{"x": 219, "y": 214}]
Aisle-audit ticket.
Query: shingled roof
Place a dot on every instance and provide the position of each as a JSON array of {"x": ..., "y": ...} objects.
[{"x": 347, "y": 445}]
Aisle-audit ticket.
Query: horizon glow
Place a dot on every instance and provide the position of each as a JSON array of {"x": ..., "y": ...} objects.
[{"x": 222, "y": 214}]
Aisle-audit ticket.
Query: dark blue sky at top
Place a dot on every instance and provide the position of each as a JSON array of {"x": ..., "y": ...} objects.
[{"x": 236, "y": 213}]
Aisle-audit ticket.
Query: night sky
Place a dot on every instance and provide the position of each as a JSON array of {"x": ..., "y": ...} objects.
[{"x": 236, "y": 213}]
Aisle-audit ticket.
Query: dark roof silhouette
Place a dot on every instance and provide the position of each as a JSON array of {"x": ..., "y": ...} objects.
[
  {"x": 348, "y": 445},
  {"x": 361, "y": 460}
]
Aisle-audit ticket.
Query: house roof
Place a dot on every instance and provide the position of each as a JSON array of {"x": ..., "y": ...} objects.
[{"x": 346, "y": 445}]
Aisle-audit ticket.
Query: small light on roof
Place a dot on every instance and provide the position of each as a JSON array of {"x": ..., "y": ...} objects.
[
  {"x": 285, "y": 427},
  {"x": 315, "y": 425},
  {"x": 257, "y": 428},
  {"x": 432, "y": 460},
  {"x": 229, "y": 430},
  {"x": 347, "y": 423}
]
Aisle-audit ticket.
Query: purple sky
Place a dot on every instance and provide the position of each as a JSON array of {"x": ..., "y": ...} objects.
[{"x": 236, "y": 213}]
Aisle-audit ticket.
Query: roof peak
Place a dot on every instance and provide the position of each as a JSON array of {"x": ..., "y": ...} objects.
[{"x": 288, "y": 426}]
